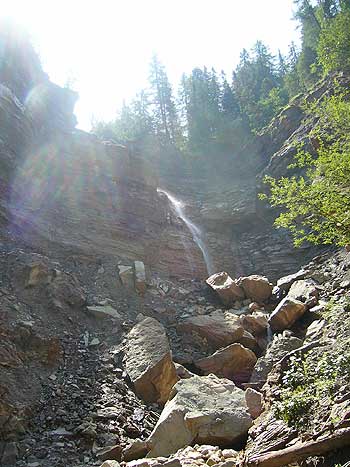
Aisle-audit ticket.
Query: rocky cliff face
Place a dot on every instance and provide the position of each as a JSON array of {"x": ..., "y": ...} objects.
[
  {"x": 66, "y": 188},
  {"x": 239, "y": 227},
  {"x": 86, "y": 332}
]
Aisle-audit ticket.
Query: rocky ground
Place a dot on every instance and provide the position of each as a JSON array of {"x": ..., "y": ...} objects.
[{"x": 87, "y": 363}]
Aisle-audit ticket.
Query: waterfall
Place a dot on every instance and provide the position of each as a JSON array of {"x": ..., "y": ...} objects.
[{"x": 197, "y": 234}]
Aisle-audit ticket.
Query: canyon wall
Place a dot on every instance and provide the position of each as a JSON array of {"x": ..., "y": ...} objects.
[{"x": 64, "y": 188}]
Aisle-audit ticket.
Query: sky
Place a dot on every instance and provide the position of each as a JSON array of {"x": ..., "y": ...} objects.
[{"x": 103, "y": 47}]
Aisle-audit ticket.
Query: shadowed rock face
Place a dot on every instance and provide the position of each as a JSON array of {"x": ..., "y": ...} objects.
[{"x": 64, "y": 187}]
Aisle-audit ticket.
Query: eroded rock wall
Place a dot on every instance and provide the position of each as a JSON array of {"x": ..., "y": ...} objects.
[{"x": 63, "y": 188}]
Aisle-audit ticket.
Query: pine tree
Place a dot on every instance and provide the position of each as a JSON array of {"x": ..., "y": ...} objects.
[{"x": 164, "y": 110}]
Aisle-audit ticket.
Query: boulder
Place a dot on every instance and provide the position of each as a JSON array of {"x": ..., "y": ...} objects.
[
  {"x": 38, "y": 274},
  {"x": 234, "y": 362},
  {"x": 304, "y": 290},
  {"x": 202, "y": 409},
  {"x": 279, "y": 347},
  {"x": 148, "y": 361},
  {"x": 110, "y": 463},
  {"x": 256, "y": 323},
  {"x": 218, "y": 328},
  {"x": 65, "y": 290},
  {"x": 140, "y": 277},
  {"x": 110, "y": 453},
  {"x": 286, "y": 314},
  {"x": 254, "y": 402},
  {"x": 225, "y": 287},
  {"x": 182, "y": 372},
  {"x": 248, "y": 341},
  {"x": 138, "y": 448},
  {"x": 315, "y": 330},
  {"x": 126, "y": 275},
  {"x": 105, "y": 311},
  {"x": 257, "y": 288},
  {"x": 284, "y": 283}
]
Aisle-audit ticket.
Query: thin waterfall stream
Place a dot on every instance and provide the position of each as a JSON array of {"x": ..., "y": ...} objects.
[{"x": 197, "y": 234}]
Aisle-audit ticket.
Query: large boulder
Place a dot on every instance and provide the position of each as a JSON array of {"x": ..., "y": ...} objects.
[
  {"x": 234, "y": 362},
  {"x": 279, "y": 347},
  {"x": 256, "y": 323},
  {"x": 204, "y": 410},
  {"x": 218, "y": 328},
  {"x": 257, "y": 288},
  {"x": 304, "y": 290},
  {"x": 286, "y": 314},
  {"x": 225, "y": 287},
  {"x": 148, "y": 361},
  {"x": 65, "y": 290}
]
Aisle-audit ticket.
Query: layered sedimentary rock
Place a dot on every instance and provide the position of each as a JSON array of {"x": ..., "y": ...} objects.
[
  {"x": 70, "y": 189},
  {"x": 65, "y": 187}
]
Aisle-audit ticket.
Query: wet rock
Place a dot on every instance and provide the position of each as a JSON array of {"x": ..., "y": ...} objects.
[
  {"x": 106, "y": 311},
  {"x": 148, "y": 361},
  {"x": 286, "y": 314},
  {"x": 234, "y": 362},
  {"x": 218, "y": 328},
  {"x": 279, "y": 347},
  {"x": 254, "y": 402},
  {"x": 248, "y": 341},
  {"x": 207, "y": 409},
  {"x": 140, "y": 277},
  {"x": 257, "y": 288},
  {"x": 225, "y": 287}
]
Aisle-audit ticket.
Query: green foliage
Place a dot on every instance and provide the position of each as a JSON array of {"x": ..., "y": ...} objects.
[
  {"x": 334, "y": 44},
  {"x": 211, "y": 115},
  {"x": 309, "y": 385},
  {"x": 317, "y": 204}
]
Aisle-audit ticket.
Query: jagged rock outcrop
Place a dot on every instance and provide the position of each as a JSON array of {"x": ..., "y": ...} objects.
[{"x": 280, "y": 346}]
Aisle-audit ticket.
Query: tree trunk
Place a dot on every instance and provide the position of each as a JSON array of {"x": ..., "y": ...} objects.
[{"x": 301, "y": 451}]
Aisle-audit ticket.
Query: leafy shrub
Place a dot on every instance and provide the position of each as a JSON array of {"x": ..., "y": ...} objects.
[{"x": 317, "y": 204}]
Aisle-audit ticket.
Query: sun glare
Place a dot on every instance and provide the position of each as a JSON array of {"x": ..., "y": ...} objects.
[{"x": 103, "y": 48}]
